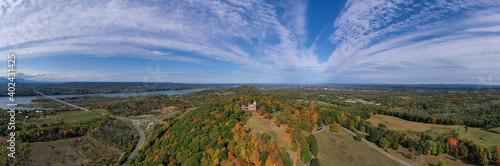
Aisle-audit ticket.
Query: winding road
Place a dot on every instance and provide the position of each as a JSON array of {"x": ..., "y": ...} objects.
[
  {"x": 141, "y": 140},
  {"x": 378, "y": 149}
]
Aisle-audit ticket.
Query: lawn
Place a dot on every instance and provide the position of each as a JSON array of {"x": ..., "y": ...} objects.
[
  {"x": 480, "y": 136},
  {"x": 74, "y": 151},
  {"x": 72, "y": 116},
  {"x": 342, "y": 149},
  {"x": 395, "y": 123},
  {"x": 496, "y": 129}
]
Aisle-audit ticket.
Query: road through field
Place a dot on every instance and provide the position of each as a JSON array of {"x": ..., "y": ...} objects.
[
  {"x": 378, "y": 149},
  {"x": 141, "y": 140}
]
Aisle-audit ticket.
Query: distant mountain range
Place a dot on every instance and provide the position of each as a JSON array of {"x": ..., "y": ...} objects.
[{"x": 19, "y": 80}]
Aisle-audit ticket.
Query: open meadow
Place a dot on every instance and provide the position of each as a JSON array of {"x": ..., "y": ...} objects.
[
  {"x": 341, "y": 148},
  {"x": 480, "y": 136},
  {"x": 69, "y": 116}
]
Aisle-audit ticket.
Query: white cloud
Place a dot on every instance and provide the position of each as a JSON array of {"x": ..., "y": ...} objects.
[
  {"x": 224, "y": 31},
  {"x": 374, "y": 39},
  {"x": 415, "y": 40}
]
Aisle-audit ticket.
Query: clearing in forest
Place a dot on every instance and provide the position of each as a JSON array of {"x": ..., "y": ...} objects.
[{"x": 260, "y": 125}]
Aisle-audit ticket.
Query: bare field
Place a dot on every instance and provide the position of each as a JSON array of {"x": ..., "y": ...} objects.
[{"x": 74, "y": 151}]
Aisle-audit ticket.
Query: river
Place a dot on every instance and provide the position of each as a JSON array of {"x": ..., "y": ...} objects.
[{"x": 27, "y": 99}]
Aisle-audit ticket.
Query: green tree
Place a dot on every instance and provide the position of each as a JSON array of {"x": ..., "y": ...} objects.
[
  {"x": 247, "y": 129},
  {"x": 483, "y": 158},
  {"x": 383, "y": 143},
  {"x": 305, "y": 154},
  {"x": 293, "y": 145},
  {"x": 395, "y": 146},
  {"x": 358, "y": 137},
  {"x": 312, "y": 144},
  {"x": 428, "y": 147},
  {"x": 463, "y": 151},
  {"x": 441, "y": 163},
  {"x": 315, "y": 162}
]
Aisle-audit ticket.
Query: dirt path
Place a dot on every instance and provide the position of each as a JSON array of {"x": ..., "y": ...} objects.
[{"x": 378, "y": 149}]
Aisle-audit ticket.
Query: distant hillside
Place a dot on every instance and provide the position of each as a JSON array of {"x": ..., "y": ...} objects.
[{"x": 246, "y": 90}]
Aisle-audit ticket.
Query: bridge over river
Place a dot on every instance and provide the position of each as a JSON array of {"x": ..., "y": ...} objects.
[{"x": 59, "y": 101}]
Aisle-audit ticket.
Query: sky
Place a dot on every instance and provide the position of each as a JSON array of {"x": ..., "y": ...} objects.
[{"x": 254, "y": 41}]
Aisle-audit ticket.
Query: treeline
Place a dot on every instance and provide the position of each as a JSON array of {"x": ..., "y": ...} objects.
[
  {"x": 106, "y": 129},
  {"x": 212, "y": 134},
  {"x": 487, "y": 117},
  {"x": 449, "y": 107},
  {"x": 140, "y": 107}
]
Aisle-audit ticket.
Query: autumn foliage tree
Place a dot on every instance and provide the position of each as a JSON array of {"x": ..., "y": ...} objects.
[
  {"x": 335, "y": 128},
  {"x": 452, "y": 142},
  {"x": 262, "y": 110},
  {"x": 383, "y": 143},
  {"x": 496, "y": 153}
]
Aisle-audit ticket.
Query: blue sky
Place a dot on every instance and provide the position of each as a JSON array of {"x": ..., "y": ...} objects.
[{"x": 254, "y": 41}]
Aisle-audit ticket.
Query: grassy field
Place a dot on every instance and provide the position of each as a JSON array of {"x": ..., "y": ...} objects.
[
  {"x": 480, "y": 136},
  {"x": 102, "y": 111},
  {"x": 72, "y": 116},
  {"x": 342, "y": 149},
  {"x": 69, "y": 116},
  {"x": 401, "y": 124},
  {"x": 426, "y": 160},
  {"x": 74, "y": 151},
  {"x": 497, "y": 129}
]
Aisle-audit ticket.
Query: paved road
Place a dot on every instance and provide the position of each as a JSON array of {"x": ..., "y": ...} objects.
[
  {"x": 141, "y": 140},
  {"x": 378, "y": 149}
]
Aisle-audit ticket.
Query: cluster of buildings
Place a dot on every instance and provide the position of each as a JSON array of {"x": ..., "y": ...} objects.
[{"x": 361, "y": 101}]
